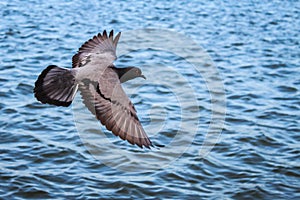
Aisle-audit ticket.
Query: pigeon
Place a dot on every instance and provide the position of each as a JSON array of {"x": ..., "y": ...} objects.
[{"x": 94, "y": 75}]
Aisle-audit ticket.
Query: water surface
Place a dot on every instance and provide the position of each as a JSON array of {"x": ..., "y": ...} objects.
[{"x": 254, "y": 45}]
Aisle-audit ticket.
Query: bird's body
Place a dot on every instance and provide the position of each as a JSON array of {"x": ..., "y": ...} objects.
[
  {"x": 99, "y": 83},
  {"x": 92, "y": 70}
]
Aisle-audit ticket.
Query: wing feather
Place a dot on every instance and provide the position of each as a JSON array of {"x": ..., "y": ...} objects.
[
  {"x": 108, "y": 101},
  {"x": 100, "y": 48}
]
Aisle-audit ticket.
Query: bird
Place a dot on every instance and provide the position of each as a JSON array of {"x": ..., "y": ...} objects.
[{"x": 98, "y": 80}]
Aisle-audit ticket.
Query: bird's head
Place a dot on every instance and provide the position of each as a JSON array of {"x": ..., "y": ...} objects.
[{"x": 129, "y": 73}]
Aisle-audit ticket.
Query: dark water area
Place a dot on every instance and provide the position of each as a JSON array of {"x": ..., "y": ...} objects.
[{"x": 47, "y": 152}]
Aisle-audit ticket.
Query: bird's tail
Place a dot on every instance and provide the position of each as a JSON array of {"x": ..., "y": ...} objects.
[{"x": 56, "y": 86}]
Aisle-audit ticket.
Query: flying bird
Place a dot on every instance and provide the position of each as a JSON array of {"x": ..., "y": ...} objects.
[{"x": 99, "y": 82}]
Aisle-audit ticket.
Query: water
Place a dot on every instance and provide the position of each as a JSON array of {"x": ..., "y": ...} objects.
[{"x": 47, "y": 153}]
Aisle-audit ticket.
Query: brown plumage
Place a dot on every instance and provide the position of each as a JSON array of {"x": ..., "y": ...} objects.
[{"x": 99, "y": 83}]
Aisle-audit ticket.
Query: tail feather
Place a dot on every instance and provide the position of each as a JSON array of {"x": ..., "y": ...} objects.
[{"x": 56, "y": 86}]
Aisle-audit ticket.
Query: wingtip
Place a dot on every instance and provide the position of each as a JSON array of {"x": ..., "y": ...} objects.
[
  {"x": 116, "y": 39},
  {"x": 148, "y": 145},
  {"x": 111, "y": 34},
  {"x": 104, "y": 34},
  {"x": 153, "y": 146}
]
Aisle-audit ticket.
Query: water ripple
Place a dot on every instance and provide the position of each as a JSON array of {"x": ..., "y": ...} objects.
[{"x": 255, "y": 46}]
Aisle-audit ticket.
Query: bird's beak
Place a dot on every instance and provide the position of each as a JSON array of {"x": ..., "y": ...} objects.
[{"x": 144, "y": 77}]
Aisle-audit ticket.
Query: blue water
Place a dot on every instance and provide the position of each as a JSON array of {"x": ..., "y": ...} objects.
[{"x": 49, "y": 152}]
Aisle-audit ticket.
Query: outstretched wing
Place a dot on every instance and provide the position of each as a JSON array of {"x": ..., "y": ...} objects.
[
  {"x": 109, "y": 103},
  {"x": 99, "y": 49}
]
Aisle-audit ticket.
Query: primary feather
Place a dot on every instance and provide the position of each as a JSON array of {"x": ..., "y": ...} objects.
[{"x": 98, "y": 81}]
